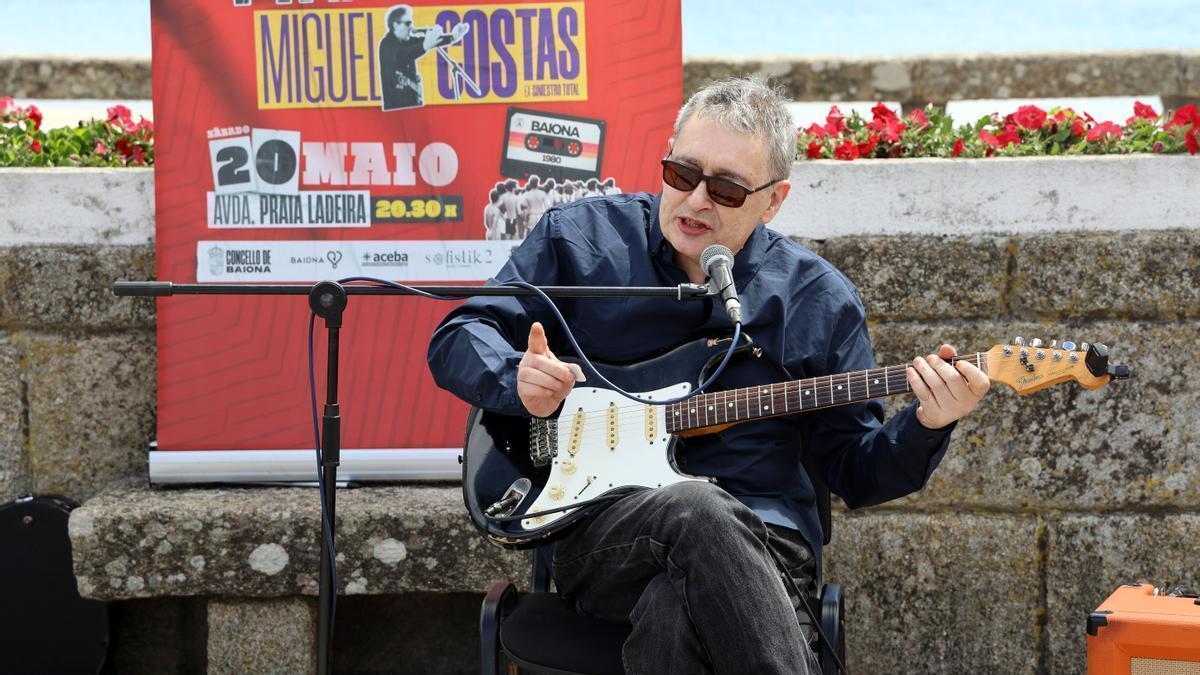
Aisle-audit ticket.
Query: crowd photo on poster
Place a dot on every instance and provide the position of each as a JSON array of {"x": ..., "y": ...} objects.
[{"x": 514, "y": 208}]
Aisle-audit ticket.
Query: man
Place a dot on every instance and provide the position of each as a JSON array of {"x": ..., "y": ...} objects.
[
  {"x": 535, "y": 204},
  {"x": 509, "y": 206},
  {"x": 493, "y": 222},
  {"x": 398, "y": 53},
  {"x": 695, "y": 567}
]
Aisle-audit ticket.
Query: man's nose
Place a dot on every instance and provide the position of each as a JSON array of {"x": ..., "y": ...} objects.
[{"x": 698, "y": 198}]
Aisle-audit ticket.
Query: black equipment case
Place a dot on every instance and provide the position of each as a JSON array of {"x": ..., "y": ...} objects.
[{"x": 45, "y": 627}]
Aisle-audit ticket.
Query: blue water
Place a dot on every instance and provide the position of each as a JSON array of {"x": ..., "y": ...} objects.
[{"x": 717, "y": 28}]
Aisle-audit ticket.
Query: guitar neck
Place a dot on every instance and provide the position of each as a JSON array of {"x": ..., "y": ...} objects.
[{"x": 725, "y": 408}]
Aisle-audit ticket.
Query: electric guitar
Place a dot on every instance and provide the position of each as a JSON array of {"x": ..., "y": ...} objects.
[{"x": 527, "y": 480}]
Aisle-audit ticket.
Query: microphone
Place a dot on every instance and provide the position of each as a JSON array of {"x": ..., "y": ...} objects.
[
  {"x": 717, "y": 263},
  {"x": 511, "y": 499}
]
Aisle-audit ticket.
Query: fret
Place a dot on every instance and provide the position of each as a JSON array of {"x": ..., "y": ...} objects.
[{"x": 786, "y": 408}]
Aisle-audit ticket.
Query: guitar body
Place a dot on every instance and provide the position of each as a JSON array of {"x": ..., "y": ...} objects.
[{"x": 601, "y": 443}]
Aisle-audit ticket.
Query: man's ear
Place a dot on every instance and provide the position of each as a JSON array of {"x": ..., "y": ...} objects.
[
  {"x": 779, "y": 192},
  {"x": 670, "y": 144}
]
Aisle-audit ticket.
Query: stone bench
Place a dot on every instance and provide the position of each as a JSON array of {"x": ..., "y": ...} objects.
[{"x": 250, "y": 555}]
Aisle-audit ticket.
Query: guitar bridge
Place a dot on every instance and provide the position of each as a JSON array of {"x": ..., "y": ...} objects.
[{"x": 543, "y": 440}]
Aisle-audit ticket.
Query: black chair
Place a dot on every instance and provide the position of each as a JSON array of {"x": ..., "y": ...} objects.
[{"x": 540, "y": 632}]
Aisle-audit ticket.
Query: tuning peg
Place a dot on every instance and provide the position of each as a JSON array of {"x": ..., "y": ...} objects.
[
  {"x": 1083, "y": 346},
  {"x": 1019, "y": 341},
  {"x": 1035, "y": 343},
  {"x": 1054, "y": 344},
  {"x": 1068, "y": 345}
]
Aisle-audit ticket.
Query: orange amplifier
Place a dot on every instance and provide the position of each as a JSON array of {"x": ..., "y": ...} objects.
[{"x": 1138, "y": 632}]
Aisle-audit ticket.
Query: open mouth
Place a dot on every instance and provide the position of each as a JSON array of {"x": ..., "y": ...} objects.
[{"x": 692, "y": 226}]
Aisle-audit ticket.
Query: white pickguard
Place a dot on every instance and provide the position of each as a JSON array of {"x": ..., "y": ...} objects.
[{"x": 587, "y": 464}]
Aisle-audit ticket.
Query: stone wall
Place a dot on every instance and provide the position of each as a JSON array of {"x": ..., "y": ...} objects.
[
  {"x": 913, "y": 80},
  {"x": 1043, "y": 505}
]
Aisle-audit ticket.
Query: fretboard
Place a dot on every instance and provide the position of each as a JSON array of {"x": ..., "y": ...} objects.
[{"x": 750, "y": 403}]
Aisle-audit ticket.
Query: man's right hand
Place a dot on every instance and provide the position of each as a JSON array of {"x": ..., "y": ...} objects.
[{"x": 542, "y": 380}]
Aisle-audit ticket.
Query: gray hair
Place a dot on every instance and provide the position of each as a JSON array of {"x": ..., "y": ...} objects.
[{"x": 750, "y": 106}]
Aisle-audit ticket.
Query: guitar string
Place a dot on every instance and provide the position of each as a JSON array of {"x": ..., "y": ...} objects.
[
  {"x": 857, "y": 392},
  {"x": 894, "y": 374},
  {"x": 858, "y": 389}
]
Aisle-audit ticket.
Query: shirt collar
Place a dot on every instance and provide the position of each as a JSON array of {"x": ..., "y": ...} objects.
[{"x": 745, "y": 262}]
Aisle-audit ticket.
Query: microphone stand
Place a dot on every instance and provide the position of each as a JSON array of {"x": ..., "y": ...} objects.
[{"x": 328, "y": 299}]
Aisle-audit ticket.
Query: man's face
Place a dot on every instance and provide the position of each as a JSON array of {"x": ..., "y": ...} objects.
[
  {"x": 402, "y": 27},
  {"x": 691, "y": 221}
]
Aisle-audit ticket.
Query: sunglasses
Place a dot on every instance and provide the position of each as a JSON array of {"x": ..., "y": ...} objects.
[{"x": 721, "y": 190}]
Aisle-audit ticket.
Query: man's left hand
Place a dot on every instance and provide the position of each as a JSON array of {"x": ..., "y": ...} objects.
[{"x": 946, "y": 392}]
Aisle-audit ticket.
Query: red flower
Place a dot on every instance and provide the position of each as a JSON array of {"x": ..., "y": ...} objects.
[
  {"x": 1189, "y": 139},
  {"x": 138, "y": 156},
  {"x": 886, "y": 123},
  {"x": 35, "y": 115},
  {"x": 835, "y": 121},
  {"x": 100, "y": 149},
  {"x": 1009, "y": 136},
  {"x": 1104, "y": 130},
  {"x": 124, "y": 147},
  {"x": 1076, "y": 127},
  {"x": 1185, "y": 115},
  {"x": 1142, "y": 111},
  {"x": 881, "y": 111},
  {"x": 814, "y": 150},
  {"x": 958, "y": 148},
  {"x": 865, "y": 149},
  {"x": 846, "y": 151},
  {"x": 36, "y": 146},
  {"x": 918, "y": 118},
  {"x": 7, "y": 105},
  {"x": 816, "y": 130},
  {"x": 1030, "y": 117},
  {"x": 121, "y": 116}
]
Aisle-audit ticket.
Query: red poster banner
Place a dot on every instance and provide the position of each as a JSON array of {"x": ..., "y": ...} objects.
[{"x": 302, "y": 141}]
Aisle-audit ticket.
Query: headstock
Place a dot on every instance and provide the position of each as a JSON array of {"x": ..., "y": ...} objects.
[{"x": 1030, "y": 367}]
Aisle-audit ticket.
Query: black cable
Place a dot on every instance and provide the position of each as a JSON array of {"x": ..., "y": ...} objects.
[
  {"x": 737, "y": 333},
  {"x": 781, "y": 564},
  {"x": 590, "y": 502}
]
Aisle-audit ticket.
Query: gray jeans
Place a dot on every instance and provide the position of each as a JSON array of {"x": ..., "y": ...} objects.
[{"x": 692, "y": 568}]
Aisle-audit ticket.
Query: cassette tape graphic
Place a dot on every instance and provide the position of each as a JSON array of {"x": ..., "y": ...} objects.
[{"x": 548, "y": 145}]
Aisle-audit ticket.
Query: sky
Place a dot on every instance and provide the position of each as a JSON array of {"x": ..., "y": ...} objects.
[{"x": 714, "y": 28}]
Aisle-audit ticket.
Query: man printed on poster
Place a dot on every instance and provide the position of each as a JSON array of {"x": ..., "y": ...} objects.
[{"x": 399, "y": 51}]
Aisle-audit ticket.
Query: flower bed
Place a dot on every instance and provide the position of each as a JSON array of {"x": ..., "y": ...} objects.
[
  {"x": 116, "y": 141},
  {"x": 928, "y": 132}
]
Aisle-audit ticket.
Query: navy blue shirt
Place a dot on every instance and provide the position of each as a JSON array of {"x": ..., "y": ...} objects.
[{"x": 803, "y": 313}]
